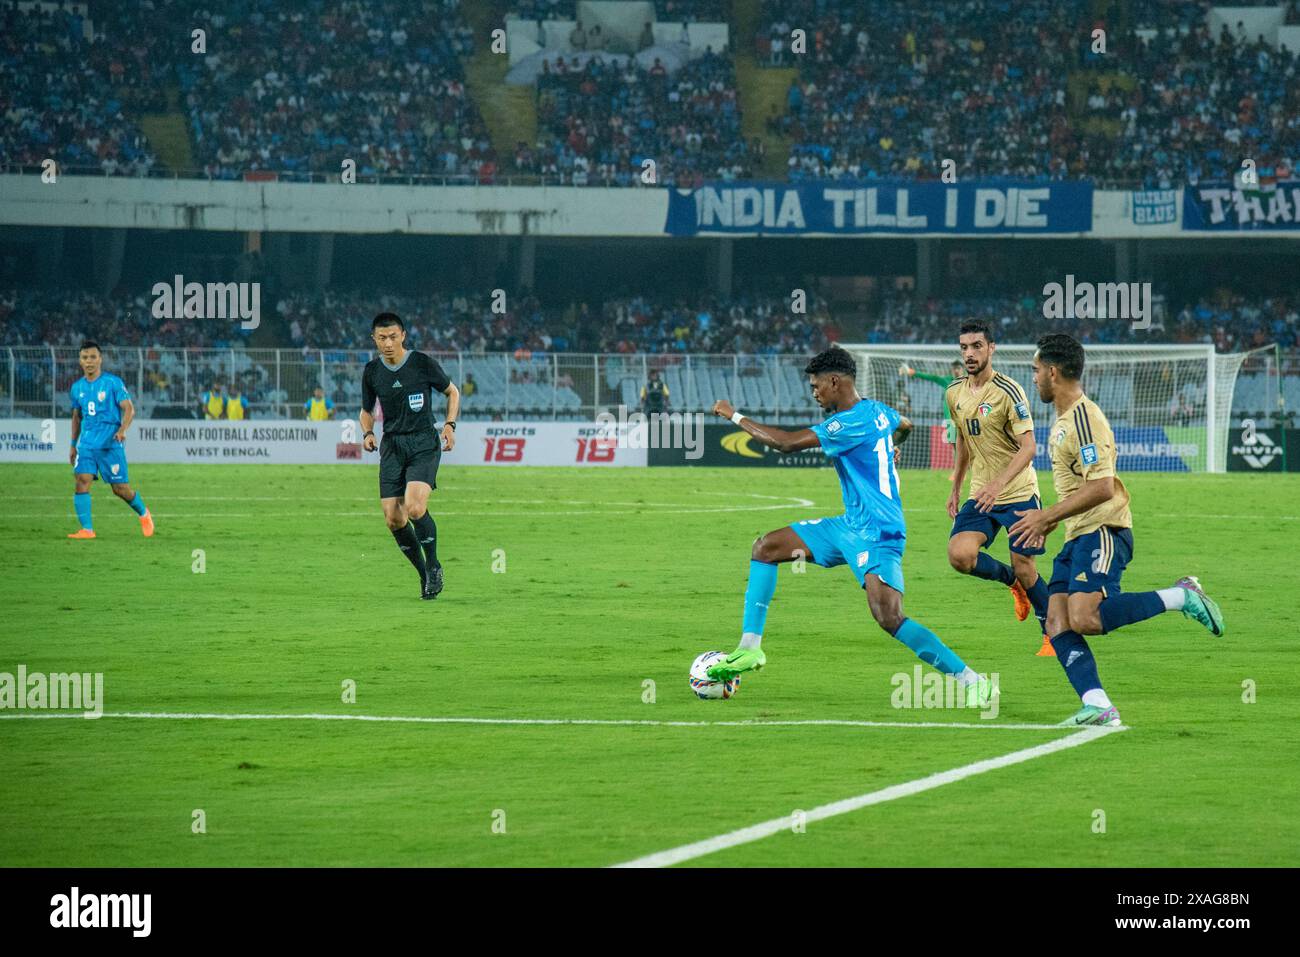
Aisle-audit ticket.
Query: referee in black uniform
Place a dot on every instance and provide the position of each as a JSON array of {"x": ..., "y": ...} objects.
[{"x": 404, "y": 382}]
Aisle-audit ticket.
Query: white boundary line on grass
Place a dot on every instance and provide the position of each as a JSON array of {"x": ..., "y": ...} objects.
[
  {"x": 757, "y": 832},
  {"x": 604, "y": 722}
]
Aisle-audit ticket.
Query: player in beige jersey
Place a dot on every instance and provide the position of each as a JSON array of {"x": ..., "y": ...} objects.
[
  {"x": 1093, "y": 504},
  {"x": 995, "y": 443}
]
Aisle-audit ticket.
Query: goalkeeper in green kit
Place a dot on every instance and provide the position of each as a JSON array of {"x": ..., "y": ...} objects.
[{"x": 958, "y": 371}]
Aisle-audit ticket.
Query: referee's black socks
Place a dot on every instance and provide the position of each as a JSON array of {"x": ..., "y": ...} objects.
[
  {"x": 427, "y": 533},
  {"x": 410, "y": 546}
]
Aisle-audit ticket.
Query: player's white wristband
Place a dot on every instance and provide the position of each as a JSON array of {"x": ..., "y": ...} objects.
[{"x": 736, "y": 417}]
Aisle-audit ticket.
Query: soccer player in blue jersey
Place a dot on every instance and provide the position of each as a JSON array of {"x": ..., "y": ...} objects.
[
  {"x": 858, "y": 435},
  {"x": 101, "y": 413}
]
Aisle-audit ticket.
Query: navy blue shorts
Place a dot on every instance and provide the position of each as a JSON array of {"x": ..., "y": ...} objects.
[
  {"x": 971, "y": 519},
  {"x": 1092, "y": 562}
]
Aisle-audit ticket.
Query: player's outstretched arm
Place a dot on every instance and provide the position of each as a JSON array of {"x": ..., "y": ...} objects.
[{"x": 769, "y": 435}]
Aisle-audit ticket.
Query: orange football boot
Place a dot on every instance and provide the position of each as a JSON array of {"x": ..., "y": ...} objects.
[
  {"x": 1023, "y": 607},
  {"x": 82, "y": 533},
  {"x": 146, "y": 524},
  {"x": 1046, "y": 651}
]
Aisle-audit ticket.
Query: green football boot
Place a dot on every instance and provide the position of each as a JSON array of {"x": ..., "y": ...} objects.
[
  {"x": 980, "y": 693},
  {"x": 1091, "y": 714},
  {"x": 737, "y": 663},
  {"x": 1200, "y": 607}
]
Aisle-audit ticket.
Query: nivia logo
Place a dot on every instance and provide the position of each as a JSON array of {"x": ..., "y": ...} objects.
[
  {"x": 103, "y": 910},
  {"x": 1256, "y": 448}
]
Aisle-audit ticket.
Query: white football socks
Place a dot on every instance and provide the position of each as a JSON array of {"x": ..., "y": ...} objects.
[
  {"x": 1097, "y": 697},
  {"x": 967, "y": 676},
  {"x": 1173, "y": 598},
  {"x": 751, "y": 640}
]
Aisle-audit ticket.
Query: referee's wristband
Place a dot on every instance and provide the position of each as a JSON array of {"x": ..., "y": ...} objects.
[
  {"x": 452, "y": 424},
  {"x": 367, "y": 432},
  {"x": 736, "y": 417}
]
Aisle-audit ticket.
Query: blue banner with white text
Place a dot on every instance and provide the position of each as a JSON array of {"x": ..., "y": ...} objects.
[
  {"x": 881, "y": 207},
  {"x": 1230, "y": 207}
]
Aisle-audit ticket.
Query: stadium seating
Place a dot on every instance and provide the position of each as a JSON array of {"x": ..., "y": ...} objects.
[
  {"x": 597, "y": 124},
  {"x": 68, "y": 97}
]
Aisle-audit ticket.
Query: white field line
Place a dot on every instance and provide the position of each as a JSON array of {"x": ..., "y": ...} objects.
[
  {"x": 757, "y": 832},
  {"x": 414, "y": 719}
]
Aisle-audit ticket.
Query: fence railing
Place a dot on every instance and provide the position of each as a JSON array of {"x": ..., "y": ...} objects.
[{"x": 277, "y": 383}]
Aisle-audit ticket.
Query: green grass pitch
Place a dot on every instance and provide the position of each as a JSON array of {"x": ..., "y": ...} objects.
[{"x": 613, "y": 578}]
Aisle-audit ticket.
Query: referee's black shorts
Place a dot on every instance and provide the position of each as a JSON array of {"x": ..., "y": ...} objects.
[{"x": 408, "y": 458}]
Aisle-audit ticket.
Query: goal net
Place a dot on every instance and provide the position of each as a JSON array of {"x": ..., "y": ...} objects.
[{"x": 1168, "y": 405}]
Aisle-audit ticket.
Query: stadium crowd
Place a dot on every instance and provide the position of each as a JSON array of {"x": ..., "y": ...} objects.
[
  {"x": 887, "y": 89},
  {"x": 750, "y": 322},
  {"x": 302, "y": 88},
  {"x": 72, "y": 98},
  {"x": 1001, "y": 87},
  {"x": 598, "y": 123}
]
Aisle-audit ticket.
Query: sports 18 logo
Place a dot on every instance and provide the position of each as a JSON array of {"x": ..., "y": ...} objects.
[{"x": 503, "y": 450}]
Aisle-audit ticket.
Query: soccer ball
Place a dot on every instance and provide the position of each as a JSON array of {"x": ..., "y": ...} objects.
[{"x": 704, "y": 686}]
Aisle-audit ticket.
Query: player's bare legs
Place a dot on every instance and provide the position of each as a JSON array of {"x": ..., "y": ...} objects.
[
  {"x": 782, "y": 545},
  {"x": 394, "y": 513},
  {"x": 770, "y": 550},
  {"x": 964, "y": 550}
]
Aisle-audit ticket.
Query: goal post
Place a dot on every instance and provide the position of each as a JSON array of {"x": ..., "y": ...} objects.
[{"x": 1169, "y": 405}]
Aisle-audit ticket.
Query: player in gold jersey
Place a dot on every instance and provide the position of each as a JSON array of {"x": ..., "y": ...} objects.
[
  {"x": 1094, "y": 505},
  {"x": 995, "y": 443}
]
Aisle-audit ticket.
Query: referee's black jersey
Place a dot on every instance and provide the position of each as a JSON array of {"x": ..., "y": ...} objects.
[{"x": 405, "y": 393}]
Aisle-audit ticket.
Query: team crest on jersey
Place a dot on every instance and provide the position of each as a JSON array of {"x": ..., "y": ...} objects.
[
  {"x": 984, "y": 408},
  {"x": 103, "y": 397},
  {"x": 416, "y": 401},
  {"x": 1089, "y": 454}
]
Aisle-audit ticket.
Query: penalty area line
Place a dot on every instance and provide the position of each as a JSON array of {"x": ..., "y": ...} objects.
[
  {"x": 599, "y": 722},
  {"x": 757, "y": 832}
]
